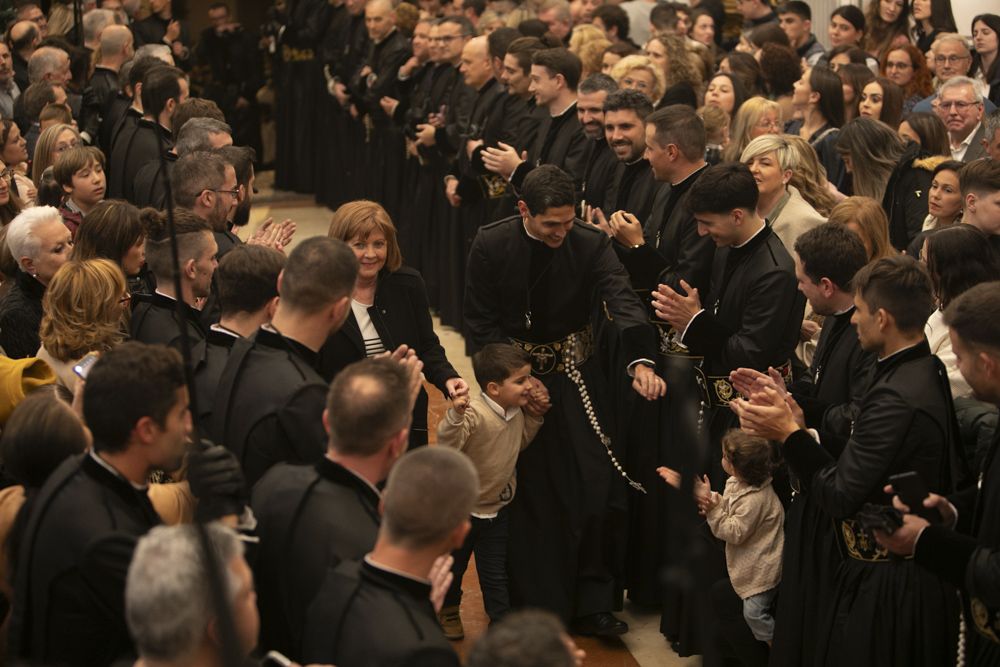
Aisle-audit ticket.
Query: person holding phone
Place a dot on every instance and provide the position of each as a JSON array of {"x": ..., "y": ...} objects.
[{"x": 963, "y": 547}]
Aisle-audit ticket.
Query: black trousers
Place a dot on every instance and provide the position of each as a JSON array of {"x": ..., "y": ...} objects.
[{"x": 488, "y": 540}]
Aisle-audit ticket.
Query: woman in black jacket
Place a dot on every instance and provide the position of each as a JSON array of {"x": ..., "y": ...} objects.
[
  {"x": 389, "y": 308},
  {"x": 887, "y": 170}
]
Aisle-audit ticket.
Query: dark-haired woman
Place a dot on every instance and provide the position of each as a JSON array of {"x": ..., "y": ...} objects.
[
  {"x": 854, "y": 77},
  {"x": 931, "y": 18},
  {"x": 113, "y": 230},
  {"x": 884, "y": 168},
  {"x": 888, "y": 25},
  {"x": 944, "y": 204},
  {"x": 927, "y": 130},
  {"x": 985, "y": 63},
  {"x": 819, "y": 97},
  {"x": 882, "y": 100}
]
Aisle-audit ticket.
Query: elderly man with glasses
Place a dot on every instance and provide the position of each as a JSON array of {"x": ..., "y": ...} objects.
[
  {"x": 950, "y": 57},
  {"x": 959, "y": 105}
]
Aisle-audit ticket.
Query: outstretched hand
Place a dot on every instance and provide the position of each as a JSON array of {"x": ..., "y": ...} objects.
[
  {"x": 676, "y": 308},
  {"x": 648, "y": 384}
]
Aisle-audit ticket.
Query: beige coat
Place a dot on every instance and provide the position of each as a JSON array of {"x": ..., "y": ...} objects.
[
  {"x": 751, "y": 521},
  {"x": 795, "y": 219}
]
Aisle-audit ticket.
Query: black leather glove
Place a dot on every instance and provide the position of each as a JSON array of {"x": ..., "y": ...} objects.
[{"x": 217, "y": 482}]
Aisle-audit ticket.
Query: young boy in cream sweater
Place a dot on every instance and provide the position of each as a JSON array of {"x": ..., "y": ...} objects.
[{"x": 491, "y": 429}]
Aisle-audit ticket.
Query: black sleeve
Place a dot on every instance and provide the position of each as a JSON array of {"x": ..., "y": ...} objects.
[
  {"x": 839, "y": 418},
  {"x": 448, "y": 139},
  {"x": 437, "y": 368},
  {"x": 482, "y": 296},
  {"x": 950, "y": 555},
  {"x": 914, "y": 200},
  {"x": 628, "y": 313},
  {"x": 301, "y": 423},
  {"x": 18, "y": 341},
  {"x": 386, "y": 79}
]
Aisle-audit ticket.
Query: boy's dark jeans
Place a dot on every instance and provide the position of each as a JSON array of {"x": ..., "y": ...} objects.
[{"x": 488, "y": 539}]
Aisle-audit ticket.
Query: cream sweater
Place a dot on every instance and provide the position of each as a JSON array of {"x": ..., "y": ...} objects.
[
  {"x": 493, "y": 444},
  {"x": 750, "y": 520}
]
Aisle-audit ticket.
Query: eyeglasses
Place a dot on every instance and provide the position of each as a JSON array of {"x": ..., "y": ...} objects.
[
  {"x": 235, "y": 193},
  {"x": 951, "y": 60},
  {"x": 961, "y": 107},
  {"x": 125, "y": 300}
]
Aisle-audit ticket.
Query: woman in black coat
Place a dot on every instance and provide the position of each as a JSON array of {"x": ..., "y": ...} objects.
[{"x": 389, "y": 308}]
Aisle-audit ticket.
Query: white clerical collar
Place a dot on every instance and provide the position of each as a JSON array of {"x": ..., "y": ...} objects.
[
  {"x": 371, "y": 561},
  {"x": 223, "y": 330},
  {"x": 563, "y": 112},
  {"x": 756, "y": 234},
  {"x": 528, "y": 232},
  {"x": 507, "y": 415},
  {"x": 114, "y": 471},
  {"x": 902, "y": 349}
]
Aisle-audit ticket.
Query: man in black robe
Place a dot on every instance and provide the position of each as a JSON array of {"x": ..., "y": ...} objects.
[
  {"x": 346, "y": 20},
  {"x": 632, "y": 187},
  {"x": 559, "y": 141},
  {"x": 270, "y": 400},
  {"x": 297, "y": 98},
  {"x": 750, "y": 318},
  {"x": 163, "y": 89},
  {"x": 378, "y": 611},
  {"x": 310, "y": 518},
  {"x": 126, "y": 110},
  {"x": 601, "y": 161},
  {"x": 536, "y": 280},
  {"x": 78, "y": 540},
  {"x": 826, "y": 259},
  {"x": 102, "y": 87},
  {"x": 961, "y": 548},
  {"x": 879, "y": 606},
  {"x": 230, "y": 59},
  {"x": 154, "y": 317}
]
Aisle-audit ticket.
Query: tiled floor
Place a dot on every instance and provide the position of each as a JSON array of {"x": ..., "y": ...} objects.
[{"x": 643, "y": 645}]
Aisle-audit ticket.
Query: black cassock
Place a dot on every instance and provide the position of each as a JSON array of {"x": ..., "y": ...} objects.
[
  {"x": 510, "y": 121},
  {"x": 967, "y": 559},
  {"x": 597, "y": 174},
  {"x": 335, "y": 161},
  {"x": 414, "y": 94},
  {"x": 568, "y": 488},
  {"x": 309, "y": 518},
  {"x": 753, "y": 313},
  {"x": 154, "y": 321},
  {"x": 231, "y": 61},
  {"x": 882, "y": 610},
  {"x": 559, "y": 140},
  {"x": 632, "y": 188},
  {"x": 298, "y": 93}
]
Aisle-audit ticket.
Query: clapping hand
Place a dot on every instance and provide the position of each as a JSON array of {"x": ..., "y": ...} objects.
[
  {"x": 702, "y": 492},
  {"x": 626, "y": 228},
  {"x": 503, "y": 159},
  {"x": 414, "y": 367},
  {"x": 440, "y": 576},
  {"x": 272, "y": 235},
  {"x": 675, "y": 308},
  {"x": 388, "y": 105},
  {"x": 595, "y": 216},
  {"x": 767, "y": 414}
]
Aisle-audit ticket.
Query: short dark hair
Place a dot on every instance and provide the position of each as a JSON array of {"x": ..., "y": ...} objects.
[
  {"x": 622, "y": 100},
  {"x": 980, "y": 176},
  {"x": 36, "y": 97},
  {"x": 663, "y": 16},
  {"x": 108, "y": 231},
  {"x": 500, "y": 39},
  {"x": 160, "y": 85},
  {"x": 831, "y": 251},
  {"x": 528, "y": 638},
  {"x": 533, "y": 28},
  {"x": 959, "y": 257},
  {"x": 852, "y": 15},
  {"x": 613, "y": 16},
  {"x": 140, "y": 67},
  {"x": 680, "y": 125},
  {"x": 477, "y": 6},
  {"x": 780, "y": 65},
  {"x": 241, "y": 158},
  {"x": 194, "y": 173},
  {"x": 218, "y": 5},
  {"x": 196, "y": 107},
  {"x": 523, "y": 49},
  {"x": 42, "y": 432},
  {"x": 547, "y": 187},
  {"x": 901, "y": 286},
  {"x": 368, "y": 402},
  {"x": 192, "y": 235},
  {"x": 768, "y": 33},
  {"x": 465, "y": 24},
  {"x": 796, "y": 7},
  {"x": 59, "y": 113},
  {"x": 496, "y": 362},
  {"x": 73, "y": 160},
  {"x": 248, "y": 278},
  {"x": 722, "y": 188},
  {"x": 319, "y": 272},
  {"x": 752, "y": 457},
  {"x": 129, "y": 382},
  {"x": 975, "y": 315},
  {"x": 597, "y": 82},
  {"x": 560, "y": 61}
]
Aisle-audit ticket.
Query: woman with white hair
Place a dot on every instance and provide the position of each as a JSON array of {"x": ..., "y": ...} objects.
[
  {"x": 640, "y": 73},
  {"x": 772, "y": 161},
  {"x": 40, "y": 244}
]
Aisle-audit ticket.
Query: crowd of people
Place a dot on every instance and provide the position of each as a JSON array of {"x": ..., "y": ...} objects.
[{"x": 731, "y": 294}]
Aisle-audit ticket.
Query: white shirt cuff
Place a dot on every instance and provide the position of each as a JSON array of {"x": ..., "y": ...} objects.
[{"x": 683, "y": 335}]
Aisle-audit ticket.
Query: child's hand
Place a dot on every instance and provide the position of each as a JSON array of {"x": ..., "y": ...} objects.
[
  {"x": 670, "y": 476},
  {"x": 538, "y": 399},
  {"x": 706, "y": 503},
  {"x": 460, "y": 403}
]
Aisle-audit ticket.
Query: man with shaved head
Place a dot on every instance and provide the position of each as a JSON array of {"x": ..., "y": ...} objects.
[
  {"x": 22, "y": 38},
  {"x": 115, "y": 49}
]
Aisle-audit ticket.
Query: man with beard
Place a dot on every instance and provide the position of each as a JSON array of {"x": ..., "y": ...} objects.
[
  {"x": 203, "y": 183},
  {"x": 537, "y": 280},
  {"x": 88, "y": 516},
  {"x": 633, "y": 186},
  {"x": 163, "y": 89},
  {"x": 276, "y": 236},
  {"x": 591, "y": 94}
]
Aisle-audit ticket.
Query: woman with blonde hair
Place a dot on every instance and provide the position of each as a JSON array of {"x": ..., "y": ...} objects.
[
  {"x": 682, "y": 78},
  {"x": 85, "y": 307},
  {"x": 584, "y": 34},
  {"x": 772, "y": 161},
  {"x": 864, "y": 216},
  {"x": 810, "y": 177},
  {"x": 592, "y": 57},
  {"x": 52, "y": 142},
  {"x": 389, "y": 308},
  {"x": 639, "y": 73},
  {"x": 756, "y": 117}
]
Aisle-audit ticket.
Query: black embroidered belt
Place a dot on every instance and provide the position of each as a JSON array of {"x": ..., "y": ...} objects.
[
  {"x": 670, "y": 341},
  {"x": 561, "y": 355},
  {"x": 290, "y": 54},
  {"x": 721, "y": 391}
]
